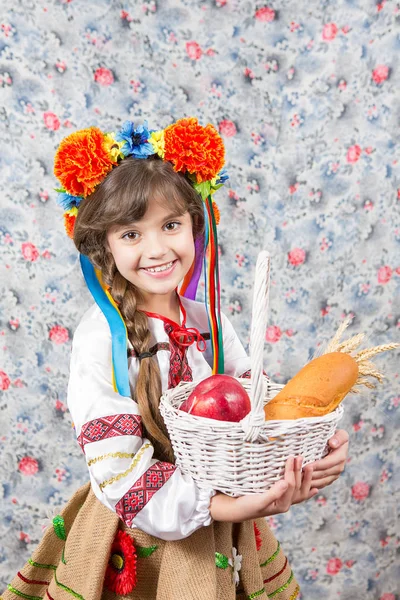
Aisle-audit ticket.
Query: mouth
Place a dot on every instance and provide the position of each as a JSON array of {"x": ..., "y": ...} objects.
[{"x": 163, "y": 269}]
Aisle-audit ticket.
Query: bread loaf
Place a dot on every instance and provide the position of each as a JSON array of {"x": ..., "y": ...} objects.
[
  {"x": 316, "y": 390},
  {"x": 321, "y": 385}
]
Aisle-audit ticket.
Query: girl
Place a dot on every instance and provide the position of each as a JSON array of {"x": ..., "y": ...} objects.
[{"x": 135, "y": 205}]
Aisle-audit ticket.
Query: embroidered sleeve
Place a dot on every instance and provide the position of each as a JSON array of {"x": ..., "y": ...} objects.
[{"x": 144, "y": 492}]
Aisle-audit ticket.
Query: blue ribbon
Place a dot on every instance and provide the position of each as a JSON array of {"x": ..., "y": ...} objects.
[{"x": 116, "y": 324}]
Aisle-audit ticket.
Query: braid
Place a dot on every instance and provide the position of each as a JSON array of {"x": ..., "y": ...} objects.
[{"x": 148, "y": 386}]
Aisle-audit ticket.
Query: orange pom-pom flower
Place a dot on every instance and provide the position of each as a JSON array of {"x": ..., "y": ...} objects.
[
  {"x": 194, "y": 149},
  {"x": 82, "y": 161},
  {"x": 69, "y": 221}
]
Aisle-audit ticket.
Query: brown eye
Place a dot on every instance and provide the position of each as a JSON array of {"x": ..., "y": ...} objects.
[
  {"x": 172, "y": 225},
  {"x": 130, "y": 235}
]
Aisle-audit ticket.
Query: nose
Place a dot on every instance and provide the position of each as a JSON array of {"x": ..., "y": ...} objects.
[{"x": 156, "y": 246}]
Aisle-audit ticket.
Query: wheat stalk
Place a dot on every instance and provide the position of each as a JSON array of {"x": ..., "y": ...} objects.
[{"x": 365, "y": 367}]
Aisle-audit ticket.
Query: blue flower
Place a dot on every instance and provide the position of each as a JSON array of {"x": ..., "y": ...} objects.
[
  {"x": 66, "y": 201},
  {"x": 136, "y": 143},
  {"x": 222, "y": 176}
]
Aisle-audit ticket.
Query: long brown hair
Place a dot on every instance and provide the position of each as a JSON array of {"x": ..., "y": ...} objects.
[{"x": 121, "y": 199}]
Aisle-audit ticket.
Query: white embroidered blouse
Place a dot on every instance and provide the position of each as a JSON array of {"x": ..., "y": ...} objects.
[{"x": 146, "y": 493}]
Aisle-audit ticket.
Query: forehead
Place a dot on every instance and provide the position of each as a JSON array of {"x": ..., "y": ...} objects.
[{"x": 158, "y": 209}]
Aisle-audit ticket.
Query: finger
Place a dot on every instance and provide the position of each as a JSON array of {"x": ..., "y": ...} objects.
[
  {"x": 334, "y": 471},
  {"x": 341, "y": 437},
  {"x": 332, "y": 459},
  {"x": 290, "y": 473},
  {"x": 307, "y": 479},
  {"x": 321, "y": 483},
  {"x": 307, "y": 489},
  {"x": 278, "y": 497},
  {"x": 297, "y": 472},
  {"x": 290, "y": 478},
  {"x": 269, "y": 500}
]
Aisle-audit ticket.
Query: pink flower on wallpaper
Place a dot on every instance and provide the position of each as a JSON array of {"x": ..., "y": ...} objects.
[
  {"x": 360, "y": 491},
  {"x": 103, "y": 76},
  {"x": 60, "y": 406},
  {"x": 60, "y": 66},
  {"x": 29, "y": 251},
  {"x": 297, "y": 256},
  {"x": 329, "y": 32},
  {"x": 227, "y": 128},
  {"x": 193, "y": 50},
  {"x": 334, "y": 565},
  {"x": 265, "y": 14},
  {"x": 4, "y": 381},
  {"x": 387, "y": 597},
  {"x": 51, "y": 121},
  {"x": 58, "y": 334},
  {"x": 24, "y": 537},
  {"x": 384, "y": 274},
  {"x": 353, "y": 154},
  {"x": 273, "y": 334},
  {"x": 28, "y": 465},
  {"x": 380, "y": 74}
]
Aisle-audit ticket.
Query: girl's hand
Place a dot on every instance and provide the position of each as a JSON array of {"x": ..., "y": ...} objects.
[
  {"x": 276, "y": 500},
  {"x": 328, "y": 469},
  {"x": 307, "y": 489}
]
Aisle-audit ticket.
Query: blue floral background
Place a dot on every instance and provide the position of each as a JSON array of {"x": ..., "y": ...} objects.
[{"x": 305, "y": 95}]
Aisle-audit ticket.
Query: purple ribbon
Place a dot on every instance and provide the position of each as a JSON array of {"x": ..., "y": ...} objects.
[{"x": 198, "y": 263}]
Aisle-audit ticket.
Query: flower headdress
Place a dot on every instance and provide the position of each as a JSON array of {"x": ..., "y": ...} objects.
[{"x": 84, "y": 158}]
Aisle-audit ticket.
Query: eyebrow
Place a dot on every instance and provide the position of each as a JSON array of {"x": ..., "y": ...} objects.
[
  {"x": 168, "y": 217},
  {"x": 174, "y": 215}
]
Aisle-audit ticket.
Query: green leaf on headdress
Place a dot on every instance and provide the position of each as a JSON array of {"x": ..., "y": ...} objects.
[
  {"x": 203, "y": 189},
  {"x": 221, "y": 561},
  {"x": 59, "y": 527},
  {"x": 60, "y": 190},
  {"x": 145, "y": 552},
  {"x": 216, "y": 187}
]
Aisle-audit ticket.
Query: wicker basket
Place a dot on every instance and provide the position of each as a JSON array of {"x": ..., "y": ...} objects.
[{"x": 249, "y": 456}]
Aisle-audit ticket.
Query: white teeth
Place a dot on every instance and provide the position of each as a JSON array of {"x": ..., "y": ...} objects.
[{"x": 159, "y": 269}]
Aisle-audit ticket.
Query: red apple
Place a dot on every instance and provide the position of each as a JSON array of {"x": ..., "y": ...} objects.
[{"x": 219, "y": 397}]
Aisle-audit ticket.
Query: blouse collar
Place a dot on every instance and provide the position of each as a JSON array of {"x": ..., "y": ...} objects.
[{"x": 180, "y": 334}]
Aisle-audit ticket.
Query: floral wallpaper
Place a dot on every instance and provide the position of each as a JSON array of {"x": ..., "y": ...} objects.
[{"x": 305, "y": 95}]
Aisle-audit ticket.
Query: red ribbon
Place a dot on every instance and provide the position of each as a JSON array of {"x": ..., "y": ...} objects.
[{"x": 186, "y": 336}]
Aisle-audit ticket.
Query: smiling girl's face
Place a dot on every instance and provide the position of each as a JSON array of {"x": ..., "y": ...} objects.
[{"x": 154, "y": 253}]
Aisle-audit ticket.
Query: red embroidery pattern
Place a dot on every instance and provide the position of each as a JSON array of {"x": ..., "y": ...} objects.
[
  {"x": 246, "y": 375},
  {"x": 111, "y": 426},
  {"x": 143, "y": 490},
  {"x": 179, "y": 369}
]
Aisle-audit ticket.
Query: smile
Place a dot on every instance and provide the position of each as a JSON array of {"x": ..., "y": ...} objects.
[{"x": 161, "y": 268}]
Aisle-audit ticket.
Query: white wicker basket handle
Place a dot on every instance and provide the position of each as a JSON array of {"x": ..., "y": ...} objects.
[{"x": 259, "y": 319}]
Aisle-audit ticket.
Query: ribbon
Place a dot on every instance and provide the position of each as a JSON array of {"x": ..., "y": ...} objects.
[{"x": 186, "y": 336}]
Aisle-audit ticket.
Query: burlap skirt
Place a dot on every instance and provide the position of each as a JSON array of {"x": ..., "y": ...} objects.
[{"x": 88, "y": 552}]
